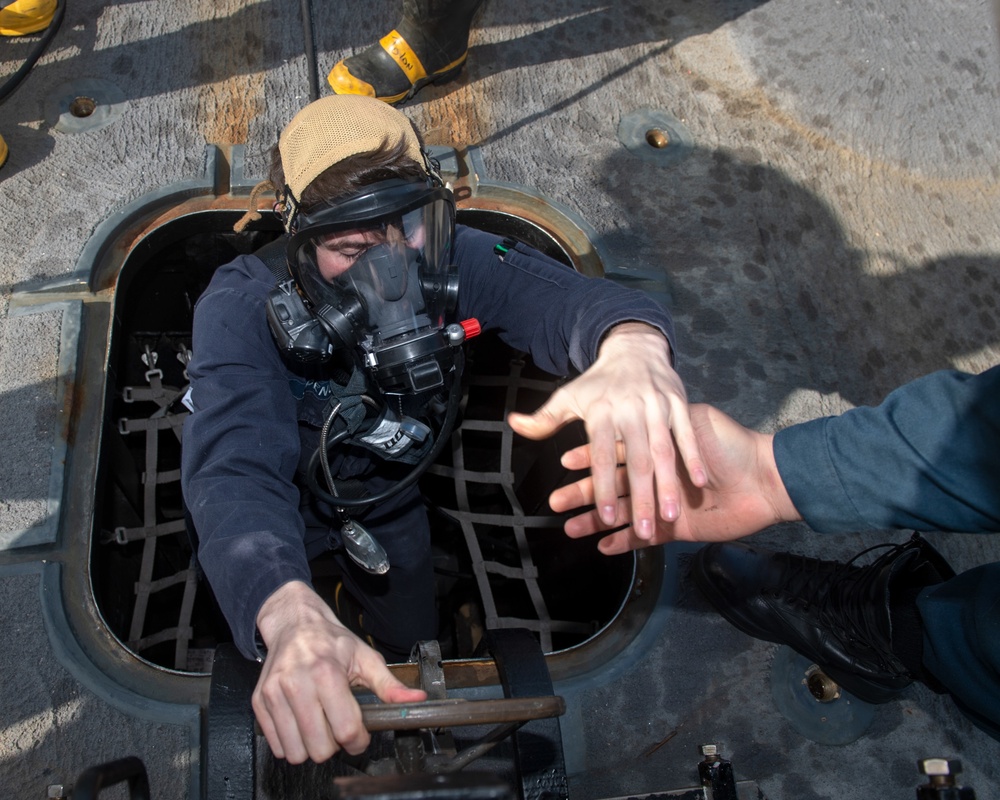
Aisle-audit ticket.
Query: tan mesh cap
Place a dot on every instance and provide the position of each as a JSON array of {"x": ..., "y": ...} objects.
[{"x": 333, "y": 128}]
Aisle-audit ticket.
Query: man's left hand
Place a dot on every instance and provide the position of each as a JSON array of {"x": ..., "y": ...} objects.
[{"x": 629, "y": 395}]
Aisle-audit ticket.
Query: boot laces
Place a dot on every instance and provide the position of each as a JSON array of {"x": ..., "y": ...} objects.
[{"x": 841, "y": 595}]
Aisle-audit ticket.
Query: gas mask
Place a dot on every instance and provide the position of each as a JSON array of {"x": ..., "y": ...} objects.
[{"x": 372, "y": 274}]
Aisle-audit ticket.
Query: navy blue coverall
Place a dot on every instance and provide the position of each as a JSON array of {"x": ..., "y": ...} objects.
[
  {"x": 927, "y": 458},
  {"x": 256, "y": 421}
]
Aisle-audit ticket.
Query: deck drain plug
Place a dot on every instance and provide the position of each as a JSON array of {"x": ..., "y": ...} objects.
[
  {"x": 88, "y": 104},
  {"x": 655, "y": 136}
]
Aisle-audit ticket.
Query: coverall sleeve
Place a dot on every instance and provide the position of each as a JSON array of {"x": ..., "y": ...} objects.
[
  {"x": 927, "y": 458},
  {"x": 542, "y": 307},
  {"x": 241, "y": 447}
]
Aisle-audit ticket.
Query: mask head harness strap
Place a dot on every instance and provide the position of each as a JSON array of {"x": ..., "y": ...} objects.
[{"x": 308, "y": 309}]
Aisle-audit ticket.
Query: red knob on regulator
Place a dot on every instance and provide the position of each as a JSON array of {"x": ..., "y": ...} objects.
[{"x": 471, "y": 327}]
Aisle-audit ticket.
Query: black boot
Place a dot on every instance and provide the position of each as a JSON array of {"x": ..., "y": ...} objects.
[
  {"x": 429, "y": 45},
  {"x": 858, "y": 623}
]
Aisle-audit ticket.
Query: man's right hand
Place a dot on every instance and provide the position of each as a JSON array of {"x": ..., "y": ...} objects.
[
  {"x": 744, "y": 492},
  {"x": 303, "y": 700}
]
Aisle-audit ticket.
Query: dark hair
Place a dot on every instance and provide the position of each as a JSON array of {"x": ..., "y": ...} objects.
[{"x": 347, "y": 176}]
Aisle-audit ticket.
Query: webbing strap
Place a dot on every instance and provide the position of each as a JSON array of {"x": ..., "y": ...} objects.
[
  {"x": 153, "y": 527},
  {"x": 273, "y": 254},
  {"x": 471, "y": 522},
  {"x": 538, "y": 752}
]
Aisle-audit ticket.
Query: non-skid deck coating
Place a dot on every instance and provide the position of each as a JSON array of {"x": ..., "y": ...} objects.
[{"x": 831, "y": 234}]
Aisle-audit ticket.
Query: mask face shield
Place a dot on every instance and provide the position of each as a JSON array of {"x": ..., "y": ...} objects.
[{"x": 376, "y": 269}]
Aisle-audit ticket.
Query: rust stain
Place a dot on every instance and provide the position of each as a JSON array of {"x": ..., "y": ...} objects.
[
  {"x": 461, "y": 114},
  {"x": 457, "y": 674},
  {"x": 659, "y": 744},
  {"x": 70, "y": 393},
  {"x": 570, "y": 238},
  {"x": 131, "y": 236},
  {"x": 235, "y": 59}
]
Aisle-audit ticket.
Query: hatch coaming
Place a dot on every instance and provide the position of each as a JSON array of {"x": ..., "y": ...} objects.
[{"x": 137, "y": 293}]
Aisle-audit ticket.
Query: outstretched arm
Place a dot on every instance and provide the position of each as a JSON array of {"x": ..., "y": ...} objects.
[
  {"x": 303, "y": 699},
  {"x": 926, "y": 458},
  {"x": 743, "y": 492},
  {"x": 630, "y": 400}
]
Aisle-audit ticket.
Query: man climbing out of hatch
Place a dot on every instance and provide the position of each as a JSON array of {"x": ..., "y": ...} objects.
[
  {"x": 325, "y": 378},
  {"x": 927, "y": 458},
  {"x": 429, "y": 45}
]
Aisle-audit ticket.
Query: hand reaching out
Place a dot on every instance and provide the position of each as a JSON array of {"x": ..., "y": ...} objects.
[
  {"x": 743, "y": 494},
  {"x": 635, "y": 411}
]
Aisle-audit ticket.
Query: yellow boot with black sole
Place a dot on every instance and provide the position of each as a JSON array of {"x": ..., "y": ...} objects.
[{"x": 429, "y": 45}]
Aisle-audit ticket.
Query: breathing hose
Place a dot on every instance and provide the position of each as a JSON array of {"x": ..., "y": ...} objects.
[{"x": 454, "y": 401}]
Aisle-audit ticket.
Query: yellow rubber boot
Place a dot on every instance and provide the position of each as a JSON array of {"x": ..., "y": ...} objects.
[
  {"x": 429, "y": 45},
  {"x": 4, "y": 152},
  {"x": 26, "y": 16}
]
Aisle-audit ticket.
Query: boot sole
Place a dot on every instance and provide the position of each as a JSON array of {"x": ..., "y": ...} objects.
[{"x": 441, "y": 77}]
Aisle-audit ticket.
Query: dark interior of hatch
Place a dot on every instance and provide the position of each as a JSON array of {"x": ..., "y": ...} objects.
[{"x": 500, "y": 556}]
